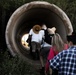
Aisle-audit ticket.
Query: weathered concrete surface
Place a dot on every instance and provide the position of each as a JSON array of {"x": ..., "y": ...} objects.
[{"x": 26, "y": 16}]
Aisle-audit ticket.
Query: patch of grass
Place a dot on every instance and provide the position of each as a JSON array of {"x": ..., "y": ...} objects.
[{"x": 15, "y": 66}]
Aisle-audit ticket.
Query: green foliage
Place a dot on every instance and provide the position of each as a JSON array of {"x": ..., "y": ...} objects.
[
  {"x": 4, "y": 4},
  {"x": 15, "y": 66},
  {"x": 71, "y": 12}
]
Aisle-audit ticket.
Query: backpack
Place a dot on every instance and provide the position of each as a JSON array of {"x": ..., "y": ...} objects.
[
  {"x": 48, "y": 37},
  {"x": 29, "y": 40}
]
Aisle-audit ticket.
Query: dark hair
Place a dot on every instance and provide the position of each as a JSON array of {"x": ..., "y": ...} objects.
[{"x": 72, "y": 38}]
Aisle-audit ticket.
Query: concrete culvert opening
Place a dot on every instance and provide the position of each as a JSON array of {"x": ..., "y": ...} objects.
[{"x": 26, "y": 16}]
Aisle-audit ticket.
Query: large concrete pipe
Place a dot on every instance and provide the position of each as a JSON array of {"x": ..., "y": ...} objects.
[{"x": 36, "y": 12}]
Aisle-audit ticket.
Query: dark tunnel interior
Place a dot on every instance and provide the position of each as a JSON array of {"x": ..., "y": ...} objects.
[{"x": 37, "y": 16}]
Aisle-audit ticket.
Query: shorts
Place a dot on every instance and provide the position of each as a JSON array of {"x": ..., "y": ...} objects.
[
  {"x": 44, "y": 51},
  {"x": 35, "y": 46}
]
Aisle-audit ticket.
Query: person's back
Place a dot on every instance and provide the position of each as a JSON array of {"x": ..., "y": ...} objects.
[
  {"x": 41, "y": 35},
  {"x": 45, "y": 47},
  {"x": 57, "y": 46},
  {"x": 66, "y": 64},
  {"x": 35, "y": 40},
  {"x": 47, "y": 37},
  {"x": 65, "y": 61},
  {"x": 48, "y": 33},
  {"x": 36, "y": 37}
]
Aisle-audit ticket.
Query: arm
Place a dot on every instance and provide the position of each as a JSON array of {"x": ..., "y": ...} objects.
[
  {"x": 30, "y": 32},
  {"x": 50, "y": 56},
  {"x": 29, "y": 37},
  {"x": 55, "y": 63},
  {"x": 50, "y": 71}
]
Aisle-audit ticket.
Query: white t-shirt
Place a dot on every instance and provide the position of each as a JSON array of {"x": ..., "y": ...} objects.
[
  {"x": 42, "y": 33},
  {"x": 37, "y": 37}
]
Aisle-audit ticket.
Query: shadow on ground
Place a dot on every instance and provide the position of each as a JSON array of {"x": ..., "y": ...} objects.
[{"x": 15, "y": 65}]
